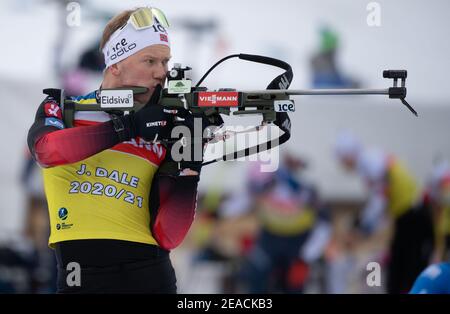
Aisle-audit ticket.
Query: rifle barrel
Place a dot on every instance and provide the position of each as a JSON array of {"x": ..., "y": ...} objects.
[{"x": 347, "y": 91}]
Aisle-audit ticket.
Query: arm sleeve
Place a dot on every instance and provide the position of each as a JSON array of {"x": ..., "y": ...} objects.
[
  {"x": 173, "y": 202},
  {"x": 373, "y": 212},
  {"x": 314, "y": 246},
  {"x": 51, "y": 144}
]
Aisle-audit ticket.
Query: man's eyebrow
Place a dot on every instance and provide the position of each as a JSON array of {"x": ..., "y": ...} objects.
[{"x": 155, "y": 57}]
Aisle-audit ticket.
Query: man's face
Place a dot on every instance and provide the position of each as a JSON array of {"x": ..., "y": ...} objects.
[{"x": 146, "y": 68}]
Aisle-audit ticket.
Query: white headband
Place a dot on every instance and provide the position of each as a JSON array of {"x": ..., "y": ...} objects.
[{"x": 126, "y": 41}]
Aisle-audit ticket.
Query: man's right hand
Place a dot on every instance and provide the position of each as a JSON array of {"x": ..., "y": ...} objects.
[{"x": 152, "y": 123}]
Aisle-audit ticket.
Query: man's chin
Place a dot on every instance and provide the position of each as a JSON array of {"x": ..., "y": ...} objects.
[{"x": 143, "y": 98}]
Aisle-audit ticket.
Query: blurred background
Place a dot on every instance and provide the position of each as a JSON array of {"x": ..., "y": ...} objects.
[{"x": 304, "y": 228}]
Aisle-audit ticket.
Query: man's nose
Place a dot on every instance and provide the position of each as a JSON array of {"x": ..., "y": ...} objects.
[{"x": 160, "y": 72}]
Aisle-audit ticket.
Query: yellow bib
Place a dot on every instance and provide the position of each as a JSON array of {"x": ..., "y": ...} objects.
[
  {"x": 402, "y": 189},
  {"x": 286, "y": 219},
  {"x": 105, "y": 196}
]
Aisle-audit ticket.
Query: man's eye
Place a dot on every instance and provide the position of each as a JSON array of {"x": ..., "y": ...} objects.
[{"x": 151, "y": 61}]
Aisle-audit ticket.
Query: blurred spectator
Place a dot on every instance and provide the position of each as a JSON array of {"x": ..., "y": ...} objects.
[
  {"x": 87, "y": 74},
  {"x": 294, "y": 229},
  {"x": 435, "y": 279},
  {"x": 219, "y": 238},
  {"x": 437, "y": 197},
  {"x": 393, "y": 189},
  {"x": 26, "y": 258},
  {"x": 326, "y": 72},
  {"x": 18, "y": 266}
]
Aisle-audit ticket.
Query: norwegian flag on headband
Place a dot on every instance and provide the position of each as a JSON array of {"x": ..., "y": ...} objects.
[
  {"x": 163, "y": 37},
  {"x": 52, "y": 110}
]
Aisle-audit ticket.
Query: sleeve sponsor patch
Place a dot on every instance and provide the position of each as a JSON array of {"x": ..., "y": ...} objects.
[
  {"x": 54, "y": 122},
  {"x": 52, "y": 109}
]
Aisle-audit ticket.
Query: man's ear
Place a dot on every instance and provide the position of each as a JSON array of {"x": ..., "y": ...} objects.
[{"x": 115, "y": 70}]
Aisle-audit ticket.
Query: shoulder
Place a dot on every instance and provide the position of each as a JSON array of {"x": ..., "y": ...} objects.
[{"x": 89, "y": 117}]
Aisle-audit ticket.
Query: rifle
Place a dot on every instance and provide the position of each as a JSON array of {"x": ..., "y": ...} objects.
[{"x": 273, "y": 103}]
